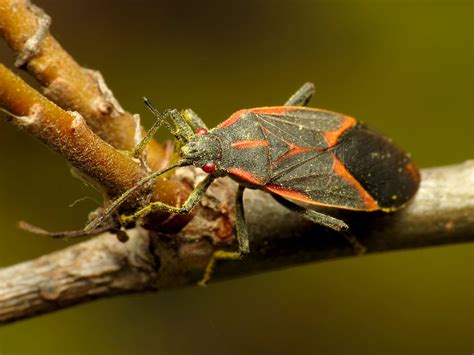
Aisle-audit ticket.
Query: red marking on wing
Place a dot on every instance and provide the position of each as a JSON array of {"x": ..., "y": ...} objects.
[
  {"x": 332, "y": 136},
  {"x": 246, "y": 176},
  {"x": 412, "y": 170},
  {"x": 250, "y": 144},
  {"x": 288, "y": 193},
  {"x": 340, "y": 170},
  {"x": 293, "y": 151},
  {"x": 232, "y": 119},
  {"x": 277, "y": 110}
]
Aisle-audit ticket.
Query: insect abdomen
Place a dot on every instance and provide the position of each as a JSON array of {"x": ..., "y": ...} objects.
[{"x": 385, "y": 171}]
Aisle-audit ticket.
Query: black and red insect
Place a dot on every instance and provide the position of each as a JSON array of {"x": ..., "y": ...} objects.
[{"x": 297, "y": 154}]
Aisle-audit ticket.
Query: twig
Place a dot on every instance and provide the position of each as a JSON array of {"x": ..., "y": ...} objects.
[
  {"x": 64, "y": 81},
  {"x": 24, "y": 27},
  {"x": 442, "y": 213},
  {"x": 67, "y": 134}
]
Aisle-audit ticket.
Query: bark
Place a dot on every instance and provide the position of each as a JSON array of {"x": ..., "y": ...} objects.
[
  {"x": 441, "y": 213},
  {"x": 25, "y": 28}
]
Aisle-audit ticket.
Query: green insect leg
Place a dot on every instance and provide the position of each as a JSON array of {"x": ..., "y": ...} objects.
[
  {"x": 193, "y": 120},
  {"x": 140, "y": 147},
  {"x": 242, "y": 239},
  {"x": 302, "y": 96},
  {"x": 192, "y": 200},
  {"x": 182, "y": 126}
]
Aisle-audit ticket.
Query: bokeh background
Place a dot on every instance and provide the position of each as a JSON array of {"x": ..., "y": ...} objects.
[{"x": 403, "y": 67}]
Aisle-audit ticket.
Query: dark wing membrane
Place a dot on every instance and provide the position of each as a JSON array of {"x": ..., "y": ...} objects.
[
  {"x": 301, "y": 127},
  {"x": 303, "y": 164},
  {"x": 286, "y": 131},
  {"x": 384, "y": 170},
  {"x": 319, "y": 178}
]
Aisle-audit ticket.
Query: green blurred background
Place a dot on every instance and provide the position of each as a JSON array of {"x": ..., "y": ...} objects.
[{"x": 403, "y": 67}]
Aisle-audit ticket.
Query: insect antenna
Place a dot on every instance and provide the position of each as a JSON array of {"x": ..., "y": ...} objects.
[
  {"x": 92, "y": 225},
  {"x": 162, "y": 118}
]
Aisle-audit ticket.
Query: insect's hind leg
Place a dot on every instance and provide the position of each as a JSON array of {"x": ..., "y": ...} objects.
[
  {"x": 302, "y": 96},
  {"x": 242, "y": 239},
  {"x": 324, "y": 220}
]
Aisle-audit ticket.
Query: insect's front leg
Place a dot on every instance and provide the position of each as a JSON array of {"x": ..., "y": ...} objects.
[
  {"x": 302, "y": 96},
  {"x": 193, "y": 120},
  {"x": 187, "y": 206},
  {"x": 242, "y": 239},
  {"x": 140, "y": 146}
]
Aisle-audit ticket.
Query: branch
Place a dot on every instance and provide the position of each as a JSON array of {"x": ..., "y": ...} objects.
[
  {"x": 66, "y": 133},
  {"x": 442, "y": 213},
  {"x": 24, "y": 27},
  {"x": 64, "y": 81}
]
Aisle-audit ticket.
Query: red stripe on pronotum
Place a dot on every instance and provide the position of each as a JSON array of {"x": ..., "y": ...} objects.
[{"x": 250, "y": 144}]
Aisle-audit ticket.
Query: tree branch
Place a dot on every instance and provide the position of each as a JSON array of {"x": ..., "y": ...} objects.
[
  {"x": 441, "y": 213},
  {"x": 67, "y": 134},
  {"x": 64, "y": 81},
  {"x": 24, "y": 27}
]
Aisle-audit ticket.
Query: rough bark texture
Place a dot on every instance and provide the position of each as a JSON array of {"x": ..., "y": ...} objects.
[
  {"x": 441, "y": 213},
  {"x": 24, "y": 27},
  {"x": 67, "y": 133},
  {"x": 65, "y": 82}
]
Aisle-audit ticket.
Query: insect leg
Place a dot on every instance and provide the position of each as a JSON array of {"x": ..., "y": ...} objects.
[
  {"x": 64, "y": 234},
  {"x": 242, "y": 239},
  {"x": 240, "y": 224},
  {"x": 316, "y": 217},
  {"x": 193, "y": 119},
  {"x": 182, "y": 126},
  {"x": 188, "y": 205},
  {"x": 324, "y": 220},
  {"x": 302, "y": 96},
  {"x": 140, "y": 147}
]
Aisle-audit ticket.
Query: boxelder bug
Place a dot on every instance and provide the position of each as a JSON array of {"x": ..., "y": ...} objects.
[{"x": 295, "y": 153}]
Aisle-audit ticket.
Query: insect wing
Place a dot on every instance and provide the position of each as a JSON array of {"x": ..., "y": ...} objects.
[{"x": 303, "y": 163}]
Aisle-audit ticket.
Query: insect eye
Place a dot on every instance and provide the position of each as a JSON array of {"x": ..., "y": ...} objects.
[
  {"x": 201, "y": 131},
  {"x": 209, "y": 168}
]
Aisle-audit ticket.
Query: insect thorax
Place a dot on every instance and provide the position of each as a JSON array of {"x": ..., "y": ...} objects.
[{"x": 202, "y": 149}]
